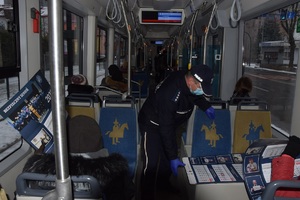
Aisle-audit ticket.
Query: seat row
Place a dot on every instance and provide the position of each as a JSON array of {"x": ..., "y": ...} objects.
[
  {"x": 116, "y": 121},
  {"x": 232, "y": 131}
]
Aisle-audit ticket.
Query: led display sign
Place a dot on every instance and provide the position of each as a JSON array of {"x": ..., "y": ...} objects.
[{"x": 173, "y": 17}]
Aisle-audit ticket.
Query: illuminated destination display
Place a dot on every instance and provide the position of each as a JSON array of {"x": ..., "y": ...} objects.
[{"x": 161, "y": 17}]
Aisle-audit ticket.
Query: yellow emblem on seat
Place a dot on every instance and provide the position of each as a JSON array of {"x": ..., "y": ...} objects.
[
  {"x": 117, "y": 131},
  {"x": 211, "y": 134}
]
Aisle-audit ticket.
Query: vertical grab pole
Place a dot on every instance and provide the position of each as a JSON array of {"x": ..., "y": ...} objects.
[
  {"x": 192, "y": 38},
  {"x": 129, "y": 48},
  {"x": 63, "y": 188}
]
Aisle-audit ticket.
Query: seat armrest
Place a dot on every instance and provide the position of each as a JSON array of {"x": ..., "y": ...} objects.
[{"x": 271, "y": 188}]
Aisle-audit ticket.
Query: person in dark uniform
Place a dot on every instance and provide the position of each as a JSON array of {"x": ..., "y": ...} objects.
[{"x": 170, "y": 105}]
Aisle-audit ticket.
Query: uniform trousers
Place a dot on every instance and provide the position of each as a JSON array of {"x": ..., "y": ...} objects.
[{"x": 156, "y": 167}]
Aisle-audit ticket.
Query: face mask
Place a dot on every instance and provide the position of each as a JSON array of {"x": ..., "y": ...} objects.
[{"x": 198, "y": 91}]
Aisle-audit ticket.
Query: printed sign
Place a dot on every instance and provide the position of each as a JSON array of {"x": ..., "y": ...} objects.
[{"x": 29, "y": 112}]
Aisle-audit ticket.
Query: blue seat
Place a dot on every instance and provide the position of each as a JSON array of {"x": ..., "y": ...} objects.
[
  {"x": 119, "y": 129},
  {"x": 211, "y": 137},
  {"x": 141, "y": 78},
  {"x": 208, "y": 137}
]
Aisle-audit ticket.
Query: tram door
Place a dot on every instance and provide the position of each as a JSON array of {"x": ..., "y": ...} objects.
[{"x": 214, "y": 60}]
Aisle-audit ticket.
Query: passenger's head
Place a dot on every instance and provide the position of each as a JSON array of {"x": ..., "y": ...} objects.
[
  {"x": 115, "y": 73},
  {"x": 254, "y": 182},
  {"x": 79, "y": 79},
  {"x": 200, "y": 77},
  {"x": 243, "y": 84}
]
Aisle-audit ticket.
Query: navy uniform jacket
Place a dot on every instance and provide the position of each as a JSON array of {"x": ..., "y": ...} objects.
[{"x": 170, "y": 105}]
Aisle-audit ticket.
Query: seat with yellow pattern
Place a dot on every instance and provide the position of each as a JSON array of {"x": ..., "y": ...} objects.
[
  {"x": 206, "y": 136},
  {"x": 251, "y": 125},
  {"x": 119, "y": 127}
]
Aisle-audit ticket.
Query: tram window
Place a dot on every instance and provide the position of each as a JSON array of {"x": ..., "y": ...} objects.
[
  {"x": 117, "y": 49},
  {"x": 8, "y": 34},
  {"x": 72, "y": 40},
  {"x": 10, "y": 140},
  {"x": 44, "y": 36},
  {"x": 123, "y": 48},
  {"x": 101, "y": 54},
  {"x": 271, "y": 63},
  {"x": 73, "y": 35},
  {"x": 101, "y": 44}
]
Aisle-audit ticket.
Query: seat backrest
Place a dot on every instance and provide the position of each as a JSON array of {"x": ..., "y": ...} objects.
[
  {"x": 118, "y": 122},
  {"x": 232, "y": 106},
  {"x": 209, "y": 137},
  {"x": 34, "y": 185},
  {"x": 251, "y": 125},
  {"x": 104, "y": 91},
  {"x": 142, "y": 78},
  {"x": 273, "y": 186},
  {"x": 83, "y": 104}
]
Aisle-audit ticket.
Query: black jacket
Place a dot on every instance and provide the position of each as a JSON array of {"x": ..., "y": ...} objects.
[{"x": 170, "y": 105}]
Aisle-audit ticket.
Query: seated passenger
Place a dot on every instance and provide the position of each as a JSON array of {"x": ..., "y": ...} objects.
[
  {"x": 79, "y": 84},
  {"x": 242, "y": 89},
  {"x": 79, "y": 79},
  {"x": 115, "y": 80},
  {"x": 87, "y": 156}
]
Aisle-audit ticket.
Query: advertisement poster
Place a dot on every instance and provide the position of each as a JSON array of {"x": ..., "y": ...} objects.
[{"x": 29, "y": 112}]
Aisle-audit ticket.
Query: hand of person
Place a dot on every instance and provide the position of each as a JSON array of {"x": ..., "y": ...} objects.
[
  {"x": 210, "y": 112},
  {"x": 175, "y": 164}
]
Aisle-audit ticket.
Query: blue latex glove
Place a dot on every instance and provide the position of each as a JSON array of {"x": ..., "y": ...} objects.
[
  {"x": 175, "y": 164},
  {"x": 210, "y": 112}
]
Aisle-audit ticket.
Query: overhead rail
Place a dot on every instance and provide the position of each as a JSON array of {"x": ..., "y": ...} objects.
[
  {"x": 207, "y": 30},
  {"x": 114, "y": 13},
  {"x": 215, "y": 16},
  {"x": 235, "y": 10}
]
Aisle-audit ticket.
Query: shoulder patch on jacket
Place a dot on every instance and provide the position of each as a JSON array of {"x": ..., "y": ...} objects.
[{"x": 176, "y": 96}]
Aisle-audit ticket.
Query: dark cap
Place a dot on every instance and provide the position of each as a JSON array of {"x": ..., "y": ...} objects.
[{"x": 204, "y": 75}]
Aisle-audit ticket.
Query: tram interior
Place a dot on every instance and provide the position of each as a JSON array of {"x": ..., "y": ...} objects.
[{"x": 106, "y": 103}]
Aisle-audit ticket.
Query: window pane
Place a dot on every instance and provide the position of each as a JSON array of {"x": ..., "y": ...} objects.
[
  {"x": 117, "y": 49},
  {"x": 270, "y": 60},
  {"x": 101, "y": 55},
  {"x": 7, "y": 36},
  {"x": 72, "y": 43},
  {"x": 44, "y": 39},
  {"x": 10, "y": 139}
]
